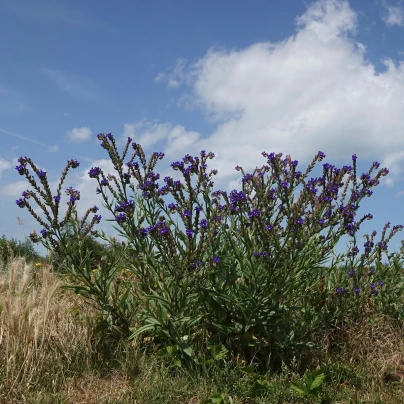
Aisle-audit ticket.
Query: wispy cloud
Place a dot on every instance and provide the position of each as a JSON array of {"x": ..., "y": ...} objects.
[
  {"x": 74, "y": 86},
  {"x": 78, "y": 135},
  {"x": 53, "y": 11},
  {"x": 4, "y": 165},
  {"x": 53, "y": 148},
  {"x": 14, "y": 189},
  {"x": 393, "y": 15},
  {"x": 176, "y": 76}
]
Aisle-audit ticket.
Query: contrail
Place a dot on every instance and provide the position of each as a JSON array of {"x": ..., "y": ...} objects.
[
  {"x": 39, "y": 143},
  {"x": 26, "y": 138}
]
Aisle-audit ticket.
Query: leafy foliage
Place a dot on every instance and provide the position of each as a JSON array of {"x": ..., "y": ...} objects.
[{"x": 253, "y": 271}]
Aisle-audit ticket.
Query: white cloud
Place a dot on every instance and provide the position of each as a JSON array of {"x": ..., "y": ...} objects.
[
  {"x": 14, "y": 189},
  {"x": 147, "y": 134},
  {"x": 313, "y": 91},
  {"x": 393, "y": 15},
  {"x": 4, "y": 165},
  {"x": 78, "y": 135},
  {"x": 175, "y": 77}
]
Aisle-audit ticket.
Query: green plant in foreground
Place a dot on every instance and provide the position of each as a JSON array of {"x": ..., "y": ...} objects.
[
  {"x": 245, "y": 270},
  {"x": 311, "y": 386}
]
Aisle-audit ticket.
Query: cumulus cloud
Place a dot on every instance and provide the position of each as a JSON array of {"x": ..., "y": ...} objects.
[
  {"x": 78, "y": 135},
  {"x": 393, "y": 15},
  {"x": 174, "y": 137},
  {"x": 315, "y": 90}
]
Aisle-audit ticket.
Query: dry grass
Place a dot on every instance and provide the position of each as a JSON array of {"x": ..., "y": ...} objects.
[
  {"x": 380, "y": 345},
  {"x": 40, "y": 330}
]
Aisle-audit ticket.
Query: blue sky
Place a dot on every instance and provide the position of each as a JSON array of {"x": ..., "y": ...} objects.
[{"x": 233, "y": 77}]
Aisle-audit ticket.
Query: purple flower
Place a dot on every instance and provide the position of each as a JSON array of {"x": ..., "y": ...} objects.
[
  {"x": 380, "y": 283},
  {"x": 198, "y": 209},
  {"x": 357, "y": 289},
  {"x": 41, "y": 174},
  {"x": 187, "y": 213},
  {"x": 164, "y": 231},
  {"x": 372, "y": 271},
  {"x": 94, "y": 172},
  {"x": 95, "y": 209},
  {"x": 172, "y": 206},
  {"x": 351, "y": 273},
  {"x": 268, "y": 227},
  {"x": 21, "y": 169},
  {"x": 254, "y": 213},
  {"x": 120, "y": 218},
  {"x": 20, "y": 202},
  {"x": 56, "y": 198},
  {"x": 354, "y": 157},
  {"x": 203, "y": 223},
  {"x": 104, "y": 182},
  {"x": 124, "y": 206},
  {"x": 340, "y": 291},
  {"x": 216, "y": 259},
  {"x": 284, "y": 184},
  {"x": 256, "y": 253},
  {"x": 189, "y": 232},
  {"x": 44, "y": 233},
  {"x": 321, "y": 155},
  {"x": 97, "y": 218},
  {"x": 74, "y": 163}
]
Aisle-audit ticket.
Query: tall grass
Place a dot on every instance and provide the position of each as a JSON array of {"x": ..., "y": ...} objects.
[{"x": 42, "y": 339}]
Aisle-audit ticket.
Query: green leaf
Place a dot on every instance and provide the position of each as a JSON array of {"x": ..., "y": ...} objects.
[
  {"x": 317, "y": 382},
  {"x": 140, "y": 330},
  {"x": 299, "y": 390},
  {"x": 219, "y": 352}
]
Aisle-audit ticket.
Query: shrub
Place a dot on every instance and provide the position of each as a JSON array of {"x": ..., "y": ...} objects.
[
  {"x": 10, "y": 248},
  {"x": 245, "y": 270}
]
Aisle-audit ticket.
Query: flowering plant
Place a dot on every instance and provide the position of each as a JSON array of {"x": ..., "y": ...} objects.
[{"x": 246, "y": 269}]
